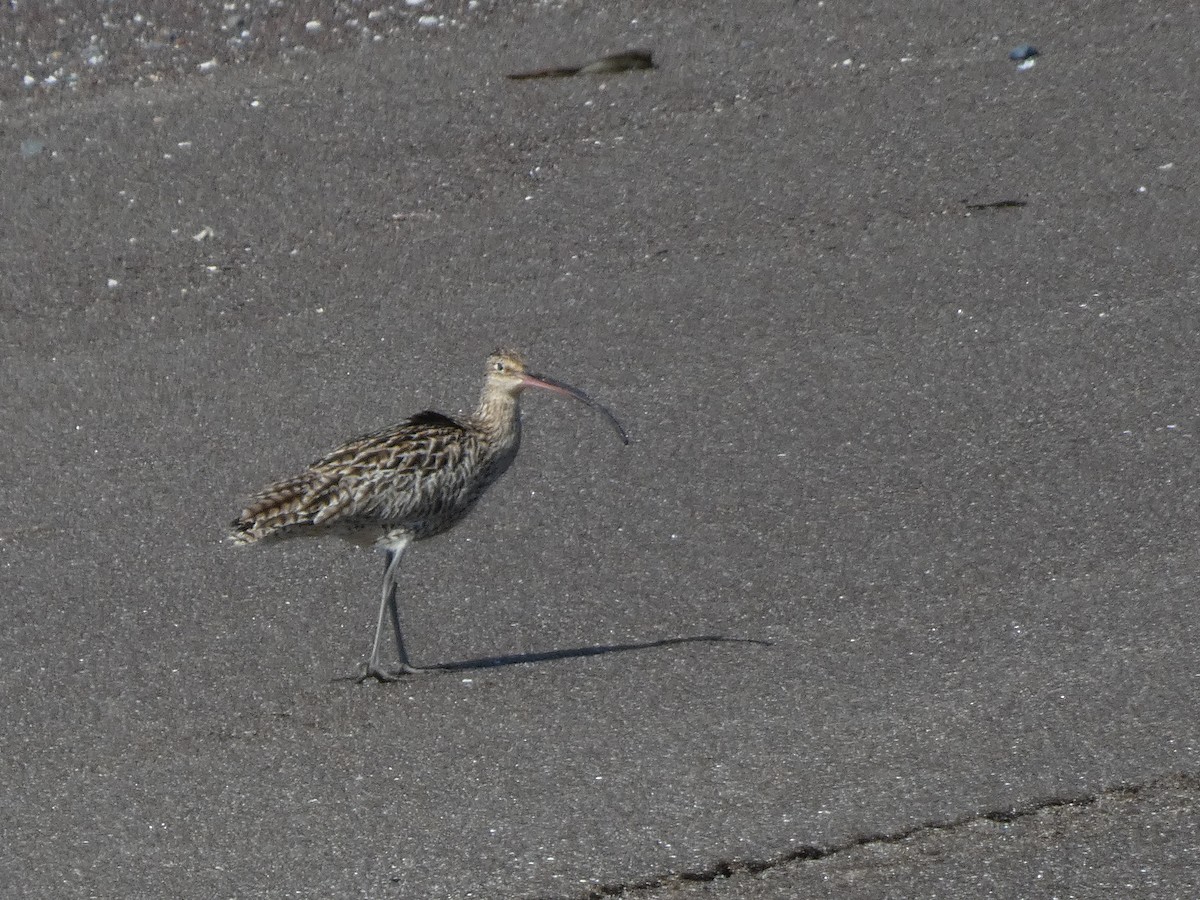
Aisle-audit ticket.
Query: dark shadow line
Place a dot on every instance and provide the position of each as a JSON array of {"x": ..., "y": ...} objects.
[
  {"x": 495, "y": 662},
  {"x": 997, "y": 204},
  {"x": 662, "y": 885}
]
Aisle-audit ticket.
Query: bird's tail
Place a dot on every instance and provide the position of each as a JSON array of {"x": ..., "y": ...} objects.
[{"x": 275, "y": 509}]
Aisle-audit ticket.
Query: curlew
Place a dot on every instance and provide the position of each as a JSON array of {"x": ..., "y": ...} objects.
[{"x": 405, "y": 483}]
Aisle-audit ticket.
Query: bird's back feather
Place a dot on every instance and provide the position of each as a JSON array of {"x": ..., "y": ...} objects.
[{"x": 421, "y": 476}]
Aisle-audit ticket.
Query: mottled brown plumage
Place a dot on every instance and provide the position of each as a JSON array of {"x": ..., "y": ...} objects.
[
  {"x": 404, "y": 483},
  {"x": 421, "y": 476}
]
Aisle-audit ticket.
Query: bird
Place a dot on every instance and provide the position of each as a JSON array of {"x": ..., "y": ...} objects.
[{"x": 405, "y": 483}]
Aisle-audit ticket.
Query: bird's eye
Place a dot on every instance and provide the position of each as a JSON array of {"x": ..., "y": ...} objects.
[{"x": 499, "y": 367}]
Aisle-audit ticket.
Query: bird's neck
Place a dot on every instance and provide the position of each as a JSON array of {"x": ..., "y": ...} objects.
[{"x": 498, "y": 416}]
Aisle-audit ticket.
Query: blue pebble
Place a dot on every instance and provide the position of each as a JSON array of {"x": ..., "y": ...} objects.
[{"x": 1023, "y": 51}]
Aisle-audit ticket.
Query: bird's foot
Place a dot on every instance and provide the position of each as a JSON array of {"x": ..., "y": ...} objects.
[
  {"x": 384, "y": 676},
  {"x": 370, "y": 670}
]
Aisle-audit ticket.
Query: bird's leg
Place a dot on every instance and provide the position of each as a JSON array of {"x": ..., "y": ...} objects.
[
  {"x": 387, "y": 606},
  {"x": 373, "y": 669},
  {"x": 406, "y": 668}
]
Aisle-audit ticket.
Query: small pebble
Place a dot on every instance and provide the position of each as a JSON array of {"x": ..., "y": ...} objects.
[{"x": 1022, "y": 51}]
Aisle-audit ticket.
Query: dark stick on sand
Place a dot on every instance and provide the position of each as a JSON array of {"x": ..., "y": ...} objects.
[{"x": 605, "y": 65}]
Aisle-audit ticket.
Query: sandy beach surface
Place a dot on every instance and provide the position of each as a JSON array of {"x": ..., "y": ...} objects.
[{"x": 893, "y": 593}]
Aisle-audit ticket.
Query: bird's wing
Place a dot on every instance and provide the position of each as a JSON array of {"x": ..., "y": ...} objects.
[{"x": 390, "y": 475}]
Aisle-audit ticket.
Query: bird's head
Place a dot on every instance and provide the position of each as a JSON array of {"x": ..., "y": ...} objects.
[{"x": 507, "y": 373}]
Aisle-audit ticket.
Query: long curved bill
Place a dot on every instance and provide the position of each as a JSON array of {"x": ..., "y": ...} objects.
[{"x": 533, "y": 379}]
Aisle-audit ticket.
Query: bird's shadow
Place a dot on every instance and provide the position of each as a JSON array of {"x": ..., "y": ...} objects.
[{"x": 516, "y": 659}]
